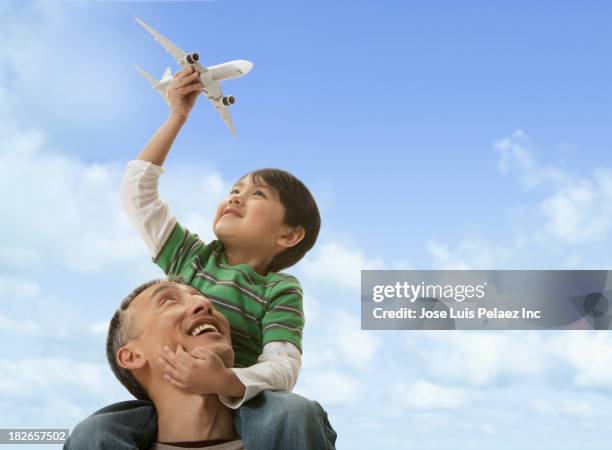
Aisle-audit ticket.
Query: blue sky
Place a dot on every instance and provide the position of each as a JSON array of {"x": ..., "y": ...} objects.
[{"x": 433, "y": 135}]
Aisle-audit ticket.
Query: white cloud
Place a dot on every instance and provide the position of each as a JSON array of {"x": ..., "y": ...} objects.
[
  {"x": 100, "y": 327},
  {"x": 356, "y": 347},
  {"x": 33, "y": 390},
  {"x": 480, "y": 358},
  {"x": 312, "y": 308},
  {"x": 64, "y": 210},
  {"x": 18, "y": 289},
  {"x": 72, "y": 214},
  {"x": 580, "y": 210},
  {"x": 589, "y": 354},
  {"x": 43, "y": 317},
  {"x": 27, "y": 377},
  {"x": 575, "y": 211},
  {"x": 581, "y": 359},
  {"x": 562, "y": 407},
  {"x": 59, "y": 65},
  {"x": 22, "y": 328},
  {"x": 335, "y": 264},
  {"x": 206, "y": 187},
  {"x": 469, "y": 254},
  {"x": 516, "y": 157},
  {"x": 340, "y": 343},
  {"x": 423, "y": 395},
  {"x": 316, "y": 357},
  {"x": 329, "y": 387}
]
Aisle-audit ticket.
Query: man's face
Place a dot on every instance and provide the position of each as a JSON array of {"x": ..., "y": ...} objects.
[
  {"x": 170, "y": 314},
  {"x": 251, "y": 216}
]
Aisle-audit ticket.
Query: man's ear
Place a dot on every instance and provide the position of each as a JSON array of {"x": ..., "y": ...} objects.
[
  {"x": 131, "y": 358},
  {"x": 291, "y": 236}
]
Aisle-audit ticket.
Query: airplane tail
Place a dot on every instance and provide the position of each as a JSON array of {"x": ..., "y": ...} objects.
[{"x": 154, "y": 83}]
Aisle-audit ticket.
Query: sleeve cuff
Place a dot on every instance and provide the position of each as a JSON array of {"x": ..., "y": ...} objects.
[
  {"x": 251, "y": 391},
  {"x": 277, "y": 370}
]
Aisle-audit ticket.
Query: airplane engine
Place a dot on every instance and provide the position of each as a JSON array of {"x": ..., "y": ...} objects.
[
  {"x": 229, "y": 100},
  {"x": 192, "y": 57}
]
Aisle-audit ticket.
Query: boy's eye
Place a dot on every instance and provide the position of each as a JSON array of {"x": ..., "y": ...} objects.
[{"x": 260, "y": 193}]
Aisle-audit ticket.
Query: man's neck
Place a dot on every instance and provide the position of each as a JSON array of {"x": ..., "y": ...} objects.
[{"x": 191, "y": 417}]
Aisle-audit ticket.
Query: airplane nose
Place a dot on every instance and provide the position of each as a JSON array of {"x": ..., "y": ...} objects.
[{"x": 244, "y": 66}]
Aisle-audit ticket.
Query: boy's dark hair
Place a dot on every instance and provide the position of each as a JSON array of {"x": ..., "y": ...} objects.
[
  {"x": 120, "y": 331},
  {"x": 300, "y": 209}
]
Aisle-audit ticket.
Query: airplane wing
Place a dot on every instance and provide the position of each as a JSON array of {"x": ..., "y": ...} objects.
[
  {"x": 171, "y": 48},
  {"x": 213, "y": 91},
  {"x": 225, "y": 115},
  {"x": 151, "y": 79},
  {"x": 166, "y": 43}
]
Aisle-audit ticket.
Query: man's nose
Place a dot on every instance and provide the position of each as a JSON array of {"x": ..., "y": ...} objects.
[{"x": 202, "y": 305}]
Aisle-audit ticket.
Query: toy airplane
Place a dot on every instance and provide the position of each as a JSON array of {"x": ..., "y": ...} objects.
[{"x": 209, "y": 76}]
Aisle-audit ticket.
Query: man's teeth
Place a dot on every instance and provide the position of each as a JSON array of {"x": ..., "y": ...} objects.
[{"x": 203, "y": 329}]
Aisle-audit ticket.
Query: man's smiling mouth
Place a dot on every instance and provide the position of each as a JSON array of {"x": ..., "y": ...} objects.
[
  {"x": 204, "y": 328},
  {"x": 203, "y": 325}
]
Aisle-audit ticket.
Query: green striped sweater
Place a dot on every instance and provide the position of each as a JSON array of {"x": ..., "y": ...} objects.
[{"x": 260, "y": 309}]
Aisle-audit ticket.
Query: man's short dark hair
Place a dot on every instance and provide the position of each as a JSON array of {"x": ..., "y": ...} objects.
[
  {"x": 300, "y": 209},
  {"x": 120, "y": 331}
]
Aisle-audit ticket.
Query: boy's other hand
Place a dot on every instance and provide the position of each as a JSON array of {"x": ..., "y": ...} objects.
[{"x": 183, "y": 91}]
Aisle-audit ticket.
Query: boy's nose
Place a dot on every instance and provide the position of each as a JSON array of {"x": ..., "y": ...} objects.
[{"x": 235, "y": 200}]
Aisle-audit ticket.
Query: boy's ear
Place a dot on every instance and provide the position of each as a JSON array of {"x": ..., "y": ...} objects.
[
  {"x": 131, "y": 358},
  {"x": 291, "y": 236}
]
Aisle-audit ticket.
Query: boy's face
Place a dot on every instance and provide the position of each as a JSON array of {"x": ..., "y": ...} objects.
[{"x": 251, "y": 217}]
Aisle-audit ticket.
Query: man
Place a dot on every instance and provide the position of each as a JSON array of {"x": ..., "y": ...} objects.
[{"x": 156, "y": 317}]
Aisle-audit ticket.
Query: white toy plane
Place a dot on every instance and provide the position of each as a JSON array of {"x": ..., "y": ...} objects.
[{"x": 209, "y": 76}]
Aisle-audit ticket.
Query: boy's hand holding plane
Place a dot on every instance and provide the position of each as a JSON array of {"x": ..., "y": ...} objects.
[{"x": 183, "y": 91}]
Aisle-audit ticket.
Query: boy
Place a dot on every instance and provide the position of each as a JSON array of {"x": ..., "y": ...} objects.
[{"x": 267, "y": 223}]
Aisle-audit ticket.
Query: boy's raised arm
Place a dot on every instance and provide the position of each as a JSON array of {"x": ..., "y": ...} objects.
[
  {"x": 182, "y": 91},
  {"x": 139, "y": 195}
]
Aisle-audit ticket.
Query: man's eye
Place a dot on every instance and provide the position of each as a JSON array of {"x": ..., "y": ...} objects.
[
  {"x": 259, "y": 193},
  {"x": 234, "y": 191},
  {"x": 167, "y": 299}
]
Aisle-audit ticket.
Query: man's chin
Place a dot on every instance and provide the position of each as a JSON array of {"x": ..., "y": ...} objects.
[{"x": 217, "y": 344}]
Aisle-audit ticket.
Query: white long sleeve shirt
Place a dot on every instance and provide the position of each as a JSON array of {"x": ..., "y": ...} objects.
[{"x": 278, "y": 366}]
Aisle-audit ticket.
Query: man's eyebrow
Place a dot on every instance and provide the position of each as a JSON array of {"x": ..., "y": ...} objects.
[
  {"x": 162, "y": 288},
  {"x": 194, "y": 291}
]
